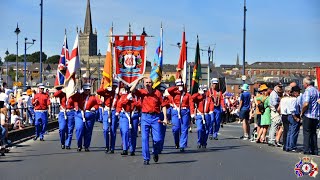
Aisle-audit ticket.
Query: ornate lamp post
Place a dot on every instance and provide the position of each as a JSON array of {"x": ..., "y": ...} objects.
[
  {"x": 17, "y": 31},
  {"x": 7, "y": 72},
  {"x": 209, "y": 58}
]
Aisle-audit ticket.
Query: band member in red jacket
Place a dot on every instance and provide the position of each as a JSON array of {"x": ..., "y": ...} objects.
[
  {"x": 41, "y": 103},
  {"x": 66, "y": 118},
  {"x": 110, "y": 120},
  {"x": 151, "y": 102},
  {"x": 215, "y": 111},
  {"x": 182, "y": 107},
  {"x": 128, "y": 108},
  {"x": 85, "y": 116},
  {"x": 202, "y": 106}
]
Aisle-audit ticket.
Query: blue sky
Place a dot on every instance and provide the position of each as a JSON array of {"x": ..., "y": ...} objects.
[{"x": 286, "y": 30}]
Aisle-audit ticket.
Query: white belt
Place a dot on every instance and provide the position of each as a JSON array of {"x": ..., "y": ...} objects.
[
  {"x": 40, "y": 110},
  {"x": 181, "y": 108},
  {"x": 199, "y": 114},
  {"x": 107, "y": 108},
  {"x": 88, "y": 111},
  {"x": 129, "y": 112},
  {"x": 68, "y": 110}
]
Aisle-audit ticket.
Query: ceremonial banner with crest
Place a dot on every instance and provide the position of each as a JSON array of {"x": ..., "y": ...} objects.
[{"x": 130, "y": 57}]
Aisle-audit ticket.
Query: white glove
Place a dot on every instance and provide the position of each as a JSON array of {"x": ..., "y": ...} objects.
[
  {"x": 117, "y": 90},
  {"x": 109, "y": 88},
  {"x": 200, "y": 91},
  {"x": 129, "y": 96},
  {"x": 117, "y": 114},
  {"x": 92, "y": 109},
  {"x": 192, "y": 115}
]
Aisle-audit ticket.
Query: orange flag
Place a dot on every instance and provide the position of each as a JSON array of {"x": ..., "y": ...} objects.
[{"x": 107, "y": 69}]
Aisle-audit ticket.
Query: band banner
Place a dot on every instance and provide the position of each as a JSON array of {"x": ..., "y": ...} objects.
[{"x": 130, "y": 57}]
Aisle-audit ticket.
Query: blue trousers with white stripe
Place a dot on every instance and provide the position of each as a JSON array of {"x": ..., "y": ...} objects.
[
  {"x": 180, "y": 127},
  {"x": 201, "y": 131},
  {"x": 41, "y": 122},
  {"x": 110, "y": 139},
  {"x": 84, "y": 129},
  {"x": 149, "y": 122}
]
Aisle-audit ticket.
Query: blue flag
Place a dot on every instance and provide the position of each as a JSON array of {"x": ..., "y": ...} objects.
[{"x": 156, "y": 71}]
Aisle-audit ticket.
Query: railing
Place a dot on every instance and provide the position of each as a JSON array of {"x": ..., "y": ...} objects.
[{"x": 28, "y": 116}]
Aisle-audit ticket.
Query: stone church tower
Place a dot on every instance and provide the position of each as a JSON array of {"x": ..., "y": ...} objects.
[{"x": 87, "y": 38}]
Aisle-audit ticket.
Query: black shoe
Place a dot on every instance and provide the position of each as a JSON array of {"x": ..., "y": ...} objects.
[
  {"x": 198, "y": 146},
  {"x": 210, "y": 138},
  {"x": 182, "y": 150},
  {"x": 86, "y": 150},
  {"x": 112, "y": 152},
  {"x": 68, "y": 147},
  {"x": 63, "y": 146},
  {"x": 156, "y": 158},
  {"x": 145, "y": 162},
  {"x": 124, "y": 153},
  {"x": 221, "y": 125},
  {"x": 204, "y": 146},
  {"x": 132, "y": 154},
  {"x": 177, "y": 146},
  {"x": 79, "y": 149},
  {"x": 215, "y": 138},
  {"x": 35, "y": 138},
  {"x": 278, "y": 144},
  {"x": 106, "y": 150},
  {"x": 41, "y": 139}
]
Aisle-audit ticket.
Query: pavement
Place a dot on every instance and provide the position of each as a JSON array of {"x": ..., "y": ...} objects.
[{"x": 226, "y": 158}]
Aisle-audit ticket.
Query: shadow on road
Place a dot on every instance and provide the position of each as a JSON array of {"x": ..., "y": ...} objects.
[
  {"x": 178, "y": 162},
  {"x": 191, "y": 151},
  {"x": 10, "y": 161}
]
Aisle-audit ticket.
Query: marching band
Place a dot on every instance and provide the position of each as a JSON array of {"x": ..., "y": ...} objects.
[{"x": 128, "y": 107}]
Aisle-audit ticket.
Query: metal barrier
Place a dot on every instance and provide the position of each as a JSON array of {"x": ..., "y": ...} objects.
[{"x": 27, "y": 113}]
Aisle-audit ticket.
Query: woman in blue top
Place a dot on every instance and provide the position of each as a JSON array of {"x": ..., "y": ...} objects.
[{"x": 244, "y": 110}]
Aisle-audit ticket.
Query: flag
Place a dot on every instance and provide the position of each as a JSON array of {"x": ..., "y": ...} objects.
[
  {"x": 182, "y": 64},
  {"x": 73, "y": 65},
  {"x": 61, "y": 70},
  {"x": 318, "y": 77},
  {"x": 196, "y": 75},
  {"x": 156, "y": 71},
  {"x": 108, "y": 68}
]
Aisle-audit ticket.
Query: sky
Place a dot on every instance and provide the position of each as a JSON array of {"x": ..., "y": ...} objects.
[{"x": 286, "y": 30}]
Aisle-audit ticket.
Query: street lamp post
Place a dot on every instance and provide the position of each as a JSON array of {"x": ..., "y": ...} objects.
[
  {"x": 7, "y": 72},
  {"x": 244, "y": 40},
  {"x": 209, "y": 57},
  {"x": 99, "y": 71},
  {"x": 41, "y": 14},
  {"x": 25, "y": 61},
  {"x": 17, "y": 31}
]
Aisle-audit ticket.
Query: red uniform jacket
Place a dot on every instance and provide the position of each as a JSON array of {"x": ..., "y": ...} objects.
[
  {"x": 108, "y": 97},
  {"x": 203, "y": 103},
  {"x": 216, "y": 98},
  {"x": 41, "y": 101},
  {"x": 128, "y": 105},
  {"x": 150, "y": 102},
  {"x": 63, "y": 100},
  {"x": 186, "y": 100},
  {"x": 81, "y": 102}
]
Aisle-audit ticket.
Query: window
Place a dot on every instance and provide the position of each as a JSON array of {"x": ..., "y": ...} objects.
[
  {"x": 272, "y": 73},
  {"x": 278, "y": 73},
  {"x": 254, "y": 72}
]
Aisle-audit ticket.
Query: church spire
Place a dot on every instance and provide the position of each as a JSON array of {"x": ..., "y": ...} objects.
[
  {"x": 237, "y": 63},
  {"x": 88, "y": 22}
]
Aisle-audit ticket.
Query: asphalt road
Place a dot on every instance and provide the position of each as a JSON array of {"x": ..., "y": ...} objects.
[{"x": 227, "y": 158}]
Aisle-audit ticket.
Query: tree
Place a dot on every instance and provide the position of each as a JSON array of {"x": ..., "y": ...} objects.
[
  {"x": 172, "y": 79},
  {"x": 35, "y": 57},
  {"x": 53, "y": 59},
  {"x": 1, "y": 61},
  {"x": 12, "y": 58}
]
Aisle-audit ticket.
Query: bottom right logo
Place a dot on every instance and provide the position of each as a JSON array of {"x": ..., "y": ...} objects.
[{"x": 306, "y": 166}]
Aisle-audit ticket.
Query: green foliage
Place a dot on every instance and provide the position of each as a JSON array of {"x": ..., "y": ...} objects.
[
  {"x": 12, "y": 58},
  {"x": 35, "y": 57},
  {"x": 12, "y": 74},
  {"x": 172, "y": 79},
  {"x": 53, "y": 59}
]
